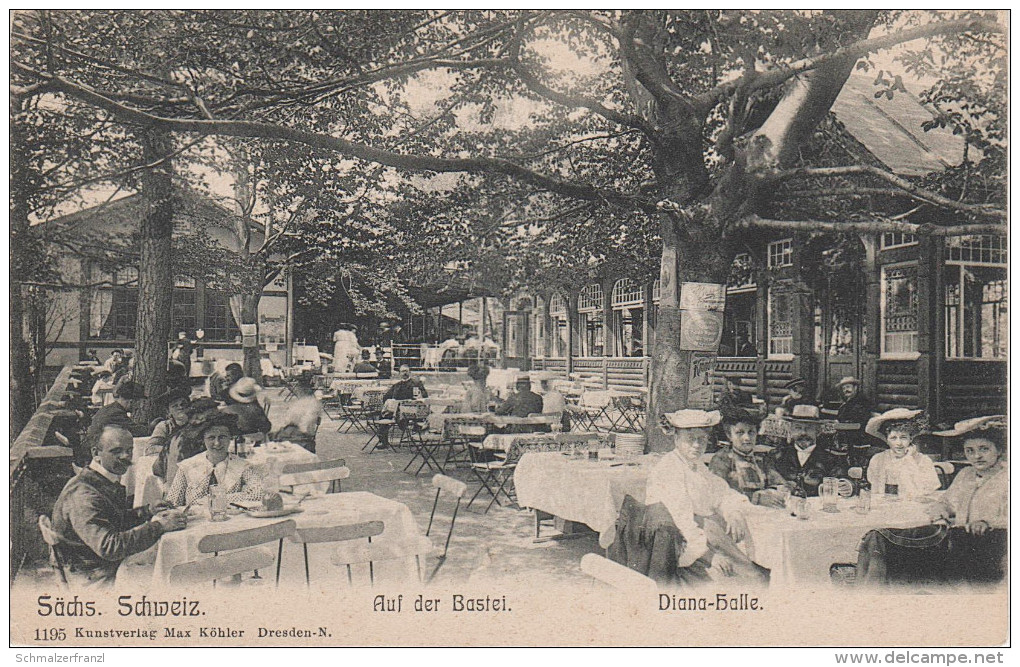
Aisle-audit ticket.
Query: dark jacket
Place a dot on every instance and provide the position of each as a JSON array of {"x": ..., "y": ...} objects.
[
  {"x": 857, "y": 410},
  {"x": 647, "y": 541},
  {"x": 820, "y": 464},
  {"x": 96, "y": 528},
  {"x": 404, "y": 390},
  {"x": 745, "y": 474},
  {"x": 521, "y": 404},
  {"x": 114, "y": 413},
  {"x": 251, "y": 418}
]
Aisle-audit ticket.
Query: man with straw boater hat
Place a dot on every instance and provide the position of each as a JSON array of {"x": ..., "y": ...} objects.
[
  {"x": 803, "y": 461},
  {"x": 708, "y": 513}
]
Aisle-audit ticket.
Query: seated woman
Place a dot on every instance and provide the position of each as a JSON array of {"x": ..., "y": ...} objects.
[
  {"x": 704, "y": 508},
  {"x": 177, "y": 418},
  {"x": 901, "y": 468},
  {"x": 186, "y": 442},
  {"x": 477, "y": 397},
  {"x": 239, "y": 478},
  {"x": 746, "y": 471},
  {"x": 967, "y": 541}
]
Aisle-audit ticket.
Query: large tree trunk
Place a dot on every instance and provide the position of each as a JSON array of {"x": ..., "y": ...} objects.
[
  {"x": 22, "y": 398},
  {"x": 702, "y": 259},
  {"x": 250, "y": 315},
  {"x": 155, "y": 272}
]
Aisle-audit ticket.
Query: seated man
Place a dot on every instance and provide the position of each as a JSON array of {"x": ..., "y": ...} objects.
[
  {"x": 523, "y": 401},
  {"x": 405, "y": 389},
  {"x": 251, "y": 418},
  {"x": 102, "y": 385},
  {"x": 364, "y": 368},
  {"x": 301, "y": 417},
  {"x": 119, "y": 412},
  {"x": 703, "y": 507},
  {"x": 795, "y": 395},
  {"x": 219, "y": 384},
  {"x": 97, "y": 528},
  {"x": 804, "y": 463}
]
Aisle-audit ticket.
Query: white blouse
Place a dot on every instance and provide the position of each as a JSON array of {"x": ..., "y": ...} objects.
[
  {"x": 241, "y": 479},
  {"x": 972, "y": 497},
  {"x": 688, "y": 493},
  {"x": 914, "y": 474}
]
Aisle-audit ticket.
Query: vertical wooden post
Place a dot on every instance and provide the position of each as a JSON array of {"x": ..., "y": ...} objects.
[
  {"x": 761, "y": 335},
  {"x": 927, "y": 308},
  {"x": 84, "y": 308},
  {"x": 936, "y": 395},
  {"x": 646, "y": 342},
  {"x": 290, "y": 318},
  {"x": 873, "y": 305},
  {"x": 608, "y": 320},
  {"x": 571, "y": 331}
]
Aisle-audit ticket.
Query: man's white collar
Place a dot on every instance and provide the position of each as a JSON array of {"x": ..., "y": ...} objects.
[{"x": 98, "y": 467}]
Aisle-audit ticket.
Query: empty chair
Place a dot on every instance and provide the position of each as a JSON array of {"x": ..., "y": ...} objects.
[
  {"x": 457, "y": 489},
  {"x": 52, "y": 540},
  {"x": 619, "y": 577},
  {"x": 323, "y": 534},
  {"x": 243, "y": 554},
  {"x": 317, "y": 472}
]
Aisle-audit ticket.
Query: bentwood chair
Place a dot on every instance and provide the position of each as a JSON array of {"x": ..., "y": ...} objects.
[
  {"x": 317, "y": 472},
  {"x": 52, "y": 540},
  {"x": 328, "y": 534},
  {"x": 233, "y": 554}
]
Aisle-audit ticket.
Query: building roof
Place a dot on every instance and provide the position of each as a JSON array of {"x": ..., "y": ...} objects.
[{"x": 892, "y": 128}]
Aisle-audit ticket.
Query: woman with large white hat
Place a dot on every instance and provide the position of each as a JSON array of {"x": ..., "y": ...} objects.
[{"x": 901, "y": 469}]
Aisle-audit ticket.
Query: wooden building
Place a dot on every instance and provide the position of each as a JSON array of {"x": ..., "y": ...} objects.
[{"x": 922, "y": 321}]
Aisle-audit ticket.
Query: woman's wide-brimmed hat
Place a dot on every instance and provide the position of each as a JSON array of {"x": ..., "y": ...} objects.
[
  {"x": 689, "y": 419},
  {"x": 202, "y": 422},
  {"x": 915, "y": 422},
  {"x": 805, "y": 414},
  {"x": 974, "y": 424},
  {"x": 244, "y": 390},
  {"x": 795, "y": 383}
]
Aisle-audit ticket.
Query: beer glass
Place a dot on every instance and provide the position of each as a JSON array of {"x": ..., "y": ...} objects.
[
  {"x": 217, "y": 503},
  {"x": 829, "y": 493}
]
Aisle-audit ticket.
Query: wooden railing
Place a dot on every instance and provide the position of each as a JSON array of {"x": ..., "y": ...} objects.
[{"x": 39, "y": 466}]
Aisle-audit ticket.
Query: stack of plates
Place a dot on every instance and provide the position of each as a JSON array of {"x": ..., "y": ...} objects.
[{"x": 630, "y": 444}]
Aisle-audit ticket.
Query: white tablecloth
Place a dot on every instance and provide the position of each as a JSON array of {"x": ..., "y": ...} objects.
[
  {"x": 589, "y": 492},
  {"x": 800, "y": 551},
  {"x": 284, "y": 452},
  {"x": 320, "y": 510},
  {"x": 544, "y": 442}
]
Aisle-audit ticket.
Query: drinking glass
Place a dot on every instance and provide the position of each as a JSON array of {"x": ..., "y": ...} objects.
[
  {"x": 217, "y": 503},
  {"x": 829, "y": 493},
  {"x": 784, "y": 495}
]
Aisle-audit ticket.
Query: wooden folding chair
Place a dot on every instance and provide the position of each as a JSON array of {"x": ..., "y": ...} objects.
[
  {"x": 461, "y": 434},
  {"x": 495, "y": 476},
  {"x": 243, "y": 554},
  {"x": 52, "y": 540},
  {"x": 457, "y": 489},
  {"x": 316, "y": 472},
  {"x": 373, "y": 405},
  {"x": 323, "y": 534},
  {"x": 617, "y": 576}
]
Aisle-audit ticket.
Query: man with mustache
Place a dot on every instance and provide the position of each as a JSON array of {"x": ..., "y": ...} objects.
[{"x": 802, "y": 461}]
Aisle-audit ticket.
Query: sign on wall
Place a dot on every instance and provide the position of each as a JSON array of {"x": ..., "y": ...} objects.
[{"x": 701, "y": 316}]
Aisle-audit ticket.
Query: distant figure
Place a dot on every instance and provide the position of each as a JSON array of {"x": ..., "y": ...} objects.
[
  {"x": 102, "y": 385},
  {"x": 364, "y": 368},
  {"x": 181, "y": 355},
  {"x": 477, "y": 397},
  {"x": 251, "y": 418},
  {"x": 118, "y": 412},
  {"x": 219, "y": 384},
  {"x": 795, "y": 395},
  {"x": 302, "y": 416},
  {"x": 346, "y": 349},
  {"x": 114, "y": 362},
  {"x": 523, "y": 401},
  {"x": 745, "y": 348},
  {"x": 855, "y": 409}
]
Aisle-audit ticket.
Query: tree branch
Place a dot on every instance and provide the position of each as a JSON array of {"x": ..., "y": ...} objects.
[
  {"x": 868, "y": 227},
  {"x": 421, "y": 163},
  {"x": 915, "y": 191},
  {"x": 777, "y": 76}
]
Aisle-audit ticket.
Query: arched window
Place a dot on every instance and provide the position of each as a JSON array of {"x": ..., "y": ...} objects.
[
  {"x": 590, "y": 323},
  {"x": 628, "y": 318}
]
